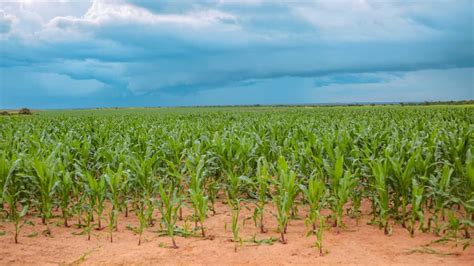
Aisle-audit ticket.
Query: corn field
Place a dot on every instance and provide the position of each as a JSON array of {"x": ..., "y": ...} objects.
[{"x": 413, "y": 165}]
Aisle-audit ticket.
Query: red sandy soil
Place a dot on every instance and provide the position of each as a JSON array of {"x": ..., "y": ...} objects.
[{"x": 356, "y": 244}]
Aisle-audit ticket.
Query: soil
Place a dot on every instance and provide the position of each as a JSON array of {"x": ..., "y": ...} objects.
[{"x": 357, "y": 243}]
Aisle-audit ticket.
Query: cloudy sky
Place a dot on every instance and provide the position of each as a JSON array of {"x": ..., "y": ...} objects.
[{"x": 60, "y": 54}]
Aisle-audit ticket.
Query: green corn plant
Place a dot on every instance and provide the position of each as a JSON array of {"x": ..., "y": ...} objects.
[
  {"x": 263, "y": 179},
  {"x": 125, "y": 192},
  {"x": 403, "y": 175},
  {"x": 416, "y": 207},
  {"x": 233, "y": 188},
  {"x": 80, "y": 197},
  {"x": 196, "y": 193},
  {"x": 346, "y": 184},
  {"x": 356, "y": 202},
  {"x": 143, "y": 178},
  {"x": 98, "y": 194},
  {"x": 342, "y": 184},
  {"x": 235, "y": 223},
  {"x": 314, "y": 194},
  {"x": 13, "y": 191},
  {"x": 141, "y": 210},
  {"x": 7, "y": 167},
  {"x": 441, "y": 196},
  {"x": 286, "y": 188},
  {"x": 335, "y": 171},
  {"x": 169, "y": 205},
  {"x": 468, "y": 194},
  {"x": 65, "y": 193},
  {"x": 45, "y": 180},
  {"x": 114, "y": 183},
  {"x": 176, "y": 172},
  {"x": 89, "y": 210},
  {"x": 453, "y": 224},
  {"x": 111, "y": 225},
  {"x": 319, "y": 234},
  {"x": 213, "y": 187},
  {"x": 382, "y": 200}
]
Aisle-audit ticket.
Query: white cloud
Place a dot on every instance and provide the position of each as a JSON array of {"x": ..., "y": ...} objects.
[
  {"x": 6, "y": 21},
  {"x": 363, "y": 20},
  {"x": 104, "y": 12}
]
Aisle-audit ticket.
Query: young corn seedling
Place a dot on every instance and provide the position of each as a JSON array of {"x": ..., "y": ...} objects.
[
  {"x": 454, "y": 224},
  {"x": 45, "y": 180},
  {"x": 233, "y": 188},
  {"x": 379, "y": 170},
  {"x": 440, "y": 194},
  {"x": 80, "y": 200},
  {"x": 114, "y": 183},
  {"x": 468, "y": 195},
  {"x": 213, "y": 187},
  {"x": 7, "y": 169},
  {"x": 263, "y": 180},
  {"x": 169, "y": 205},
  {"x": 98, "y": 193},
  {"x": 286, "y": 188},
  {"x": 65, "y": 192},
  {"x": 196, "y": 193},
  {"x": 141, "y": 214},
  {"x": 143, "y": 177},
  {"x": 402, "y": 183},
  {"x": 89, "y": 210},
  {"x": 314, "y": 194},
  {"x": 416, "y": 207},
  {"x": 346, "y": 184},
  {"x": 319, "y": 234},
  {"x": 235, "y": 223},
  {"x": 12, "y": 193},
  {"x": 179, "y": 182},
  {"x": 342, "y": 184}
]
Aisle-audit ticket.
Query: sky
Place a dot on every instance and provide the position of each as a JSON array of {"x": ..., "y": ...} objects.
[{"x": 79, "y": 54}]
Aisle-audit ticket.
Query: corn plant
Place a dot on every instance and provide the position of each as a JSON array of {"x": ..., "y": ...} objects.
[
  {"x": 79, "y": 201},
  {"x": 440, "y": 194},
  {"x": 286, "y": 188},
  {"x": 97, "y": 195},
  {"x": 468, "y": 194},
  {"x": 45, "y": 180},
  {"x": 145, "y": 184},
  {"x": 7, "y": 168},
  {"x": 233, "y": 188},
  {"x": 213, "y": 187},
  {"x": 169, "y": 205},
  {"x": 342, "y": 184},
  {"x": 262, "y": 183},
  {"x": 65, "y": 192},
  {"x": 141, "y": 211},
  {"x": 114, "y": 182},
  {"x": 177, "y": 177},
  {"x": 381, "y": 197},
  {"x": 13, "y": 191},
  {"x": 88, "y": 208},
  {"x": 416, "y": 207},
  {"x": 319, "y": 234},
  {"x": 196, "y": 192},
  {"x": 314, "y": 194},
  {"x": 403, "y": 174},
  {"x": 235, "y": 223}
]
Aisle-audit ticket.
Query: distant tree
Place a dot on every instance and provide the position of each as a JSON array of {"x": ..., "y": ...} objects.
[
  {"x": 25, "y": 111},
  {"x": 4, "y": 113}
]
